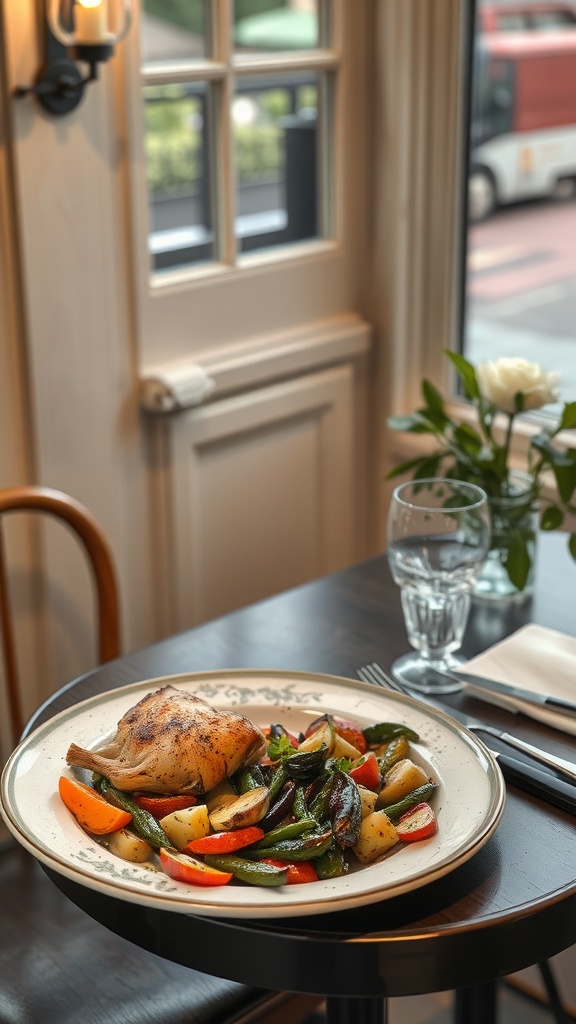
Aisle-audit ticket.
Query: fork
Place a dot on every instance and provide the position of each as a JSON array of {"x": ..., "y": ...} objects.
[{"x": 375, "y": 674}]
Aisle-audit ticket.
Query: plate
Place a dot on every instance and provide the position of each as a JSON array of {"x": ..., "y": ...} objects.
[{"x": 469, "y": 800}]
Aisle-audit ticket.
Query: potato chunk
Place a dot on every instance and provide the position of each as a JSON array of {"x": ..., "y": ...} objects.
[
  {"x": 402, "y": 778},
  {"x": 189, "y": 823},
  {"x": 377, "y": 835},
  {"x": 128, "y": 846},
  {"x": 368, "y": 799}
]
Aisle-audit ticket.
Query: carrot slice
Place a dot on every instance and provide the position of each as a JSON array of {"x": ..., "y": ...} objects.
[{"x": 91, "y": 810}]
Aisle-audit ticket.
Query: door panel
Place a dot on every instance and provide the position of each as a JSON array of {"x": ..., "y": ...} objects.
[{"x": 261, "y": 493}]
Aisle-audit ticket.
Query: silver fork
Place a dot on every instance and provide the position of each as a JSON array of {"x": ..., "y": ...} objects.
[{"x": 375, "y": 674}]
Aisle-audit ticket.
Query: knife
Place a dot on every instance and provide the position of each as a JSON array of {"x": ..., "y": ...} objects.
[
  {"x": 556, "y": 704},
  {"x": 548, "y": 787}
]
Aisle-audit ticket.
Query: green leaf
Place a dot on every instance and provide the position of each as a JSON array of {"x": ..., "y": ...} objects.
[
  {"x": 572, "y": 545},
  {"x": 412, "y": 424},
  {"x": 467, "y": 374},
  {"x": 518, "y": 560},
  {"x": 432, "y": 396},
  {"x": 565, "y": 476},
  {"x": 568, "y": 419},
  {"x": 552, "y": 518},
  {"x": 428, "y": 467},
  {"x": 279, "y": 746},
  {"x": 468, "y": 439},
  {"x": 406, "y": 467},
  {"x": 438, "y": 420}
]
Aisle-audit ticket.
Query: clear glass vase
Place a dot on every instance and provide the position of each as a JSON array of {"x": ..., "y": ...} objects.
[{"x": 508, "y": 573}]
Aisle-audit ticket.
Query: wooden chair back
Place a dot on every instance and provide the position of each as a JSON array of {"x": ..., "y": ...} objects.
[{"x": 82, "y": 522}]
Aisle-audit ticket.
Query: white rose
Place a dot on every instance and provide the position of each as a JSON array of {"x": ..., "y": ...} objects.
[{"x": 501, "y": 381}]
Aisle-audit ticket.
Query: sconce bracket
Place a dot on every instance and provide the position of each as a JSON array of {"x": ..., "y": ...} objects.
[
  {"x": 93, "y": 53},
  {"x": 59, "y": 86}
]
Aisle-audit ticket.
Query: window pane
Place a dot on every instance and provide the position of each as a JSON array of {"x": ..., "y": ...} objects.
[
  {"x": 173, "y": 30},
  {"x": 177, "y": 143},
  {"x": 275, "y": 136},
  {"x": 272, "y": 25},
  {"x": 521, "y": 276},
  {"x": 553, "y": 20}
]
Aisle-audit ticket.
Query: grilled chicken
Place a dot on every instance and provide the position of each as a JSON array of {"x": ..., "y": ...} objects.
[{"x": 173, "y": 742}]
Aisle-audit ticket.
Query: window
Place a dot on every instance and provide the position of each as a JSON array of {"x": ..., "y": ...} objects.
[
  {"x": 521, "y": 239},
  {"x": 237, "y": 126},
  {"x": 248, "y": 137}
]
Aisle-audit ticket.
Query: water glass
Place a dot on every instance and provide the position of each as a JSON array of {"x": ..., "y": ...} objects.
[{"x": 438, "y": 540}]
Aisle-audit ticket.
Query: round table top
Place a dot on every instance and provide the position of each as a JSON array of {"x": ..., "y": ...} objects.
[{"x": 513, "y": 904}]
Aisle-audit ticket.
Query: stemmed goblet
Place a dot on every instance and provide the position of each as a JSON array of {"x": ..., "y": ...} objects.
[{"x": 438, "y": 539}]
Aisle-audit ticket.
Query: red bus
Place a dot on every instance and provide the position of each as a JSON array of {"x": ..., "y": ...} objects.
[{"x": 523, "y": 141}]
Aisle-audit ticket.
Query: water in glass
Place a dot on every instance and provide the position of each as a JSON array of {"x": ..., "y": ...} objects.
[{"x": 438, "y": 533}]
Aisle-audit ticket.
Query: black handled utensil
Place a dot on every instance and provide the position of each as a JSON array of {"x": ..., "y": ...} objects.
[
  {"x": 560, "y": 792},
  {"x": 479, "y": 683}
]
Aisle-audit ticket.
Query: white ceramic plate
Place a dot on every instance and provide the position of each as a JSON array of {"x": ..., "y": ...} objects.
[{"x": 469, "y": 800}]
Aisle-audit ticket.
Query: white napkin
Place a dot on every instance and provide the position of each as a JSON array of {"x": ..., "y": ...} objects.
[{"x": 537, "y": 659}]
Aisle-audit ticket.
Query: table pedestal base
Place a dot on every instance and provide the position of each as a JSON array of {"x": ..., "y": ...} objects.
[
  {"x": 356, "y": 1011},
  {"x": 476, "y": 1005}
]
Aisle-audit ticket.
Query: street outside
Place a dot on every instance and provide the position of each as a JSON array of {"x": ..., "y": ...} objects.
[{"x": 522, "y": 288}]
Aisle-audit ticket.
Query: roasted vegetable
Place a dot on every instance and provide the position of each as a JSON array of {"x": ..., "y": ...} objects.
[
  {"x": 394, "y": 751},
  {"x": 90, "y": 809},
  {"x": 225, "y": 842},
  {"x": 343, "y": 727},
  {"x": 305, "y": 764},
  {"x": 222, "y": 794},
  {"x": 248, "y": 778},
  {"x": 395, "y": 811},
  {"x": 319, "y": 804},
  {"x": 248, "y": 870},
  {"x": 143, "y": 822},
  {"x": 402, "y": 778},
  {"x": 160, "y": 806},
  {"x": 345, "y": 809},
  {"x": 183, "y": 868},
  {"x": 129, "y": 846},
  {"x": 377, "y": 835},
  {"x": 368, "y": 800},
  {"x": 183, "y": 826},
  {"x": 245, "y": 810},
  {"x": 306, "y": 847},
  {"x": 323, "y": 736},
  {"x": 417, "y": 824},
  {"x": 382, "y": 732},
  {"x": 332, "y": 863},
  {"x": 366, "y": 772},
  {"x": 283, "y": 805},
  {"x": 296, "y": 874},
  {"x": 291, "y": 830}
]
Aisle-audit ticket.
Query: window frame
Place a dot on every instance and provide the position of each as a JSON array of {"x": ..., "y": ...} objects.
[
  {"x": 323, "y": 271},
  {"x": 418, "y": 341}
]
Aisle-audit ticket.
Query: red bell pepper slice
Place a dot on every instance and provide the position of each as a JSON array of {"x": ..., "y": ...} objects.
[
  {"x": 366, "y": 772},
  {"x": 296, "y": 871},
  {"x": 226, "y": 842},
  {"x": 183, "y": 868},
  {"x": 418, "y": 823},
  {"x": 160, "y": 806}
]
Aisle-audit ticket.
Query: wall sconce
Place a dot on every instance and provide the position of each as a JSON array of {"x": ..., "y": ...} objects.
[{"x": 76, "y": 30}]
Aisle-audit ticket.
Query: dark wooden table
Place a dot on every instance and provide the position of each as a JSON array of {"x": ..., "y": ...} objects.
[{"x": 512, "y": 905}]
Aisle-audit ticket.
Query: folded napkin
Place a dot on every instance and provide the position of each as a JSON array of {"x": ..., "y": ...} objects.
[{"x": 537, "y": 659}]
